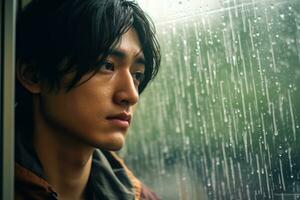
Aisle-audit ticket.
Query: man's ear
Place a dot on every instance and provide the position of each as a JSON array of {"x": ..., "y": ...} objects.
[{"x": 28, "y": 78}]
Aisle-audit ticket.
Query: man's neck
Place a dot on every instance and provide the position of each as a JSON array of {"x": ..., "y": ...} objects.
[{"x": 66, "y": 162}]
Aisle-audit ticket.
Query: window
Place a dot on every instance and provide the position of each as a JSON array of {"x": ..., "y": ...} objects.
[
  {"x": 7, "y": 59},
  {"x": 222, "y": 119}
]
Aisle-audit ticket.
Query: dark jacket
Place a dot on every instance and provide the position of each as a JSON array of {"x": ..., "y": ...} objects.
[{"x": 109, "y": 179}]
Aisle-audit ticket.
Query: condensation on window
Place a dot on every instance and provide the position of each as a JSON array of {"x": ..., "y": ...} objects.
[{"x": 221, "y": 120}]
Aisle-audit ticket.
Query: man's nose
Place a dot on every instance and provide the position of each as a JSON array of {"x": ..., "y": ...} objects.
[{"x": 126, "y": 93}]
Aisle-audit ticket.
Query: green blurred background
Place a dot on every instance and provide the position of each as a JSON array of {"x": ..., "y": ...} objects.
[{"x": 221, "y": 121}]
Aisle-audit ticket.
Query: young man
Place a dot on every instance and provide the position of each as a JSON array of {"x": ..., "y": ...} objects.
[{"x": 81, "y": 66}]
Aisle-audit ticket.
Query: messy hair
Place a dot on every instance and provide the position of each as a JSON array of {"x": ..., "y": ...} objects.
[{"x": 56, "y": 37}]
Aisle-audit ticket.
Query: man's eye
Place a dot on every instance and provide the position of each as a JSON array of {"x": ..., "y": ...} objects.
[
  {"x": 138, "y": 76},
  {"x": 107, "y": 65}
]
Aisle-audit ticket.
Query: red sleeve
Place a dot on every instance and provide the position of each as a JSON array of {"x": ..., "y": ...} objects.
[{"x": 147, "y": 194}]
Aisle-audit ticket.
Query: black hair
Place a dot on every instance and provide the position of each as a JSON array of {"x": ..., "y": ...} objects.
[{"x": 55, "y": 37}]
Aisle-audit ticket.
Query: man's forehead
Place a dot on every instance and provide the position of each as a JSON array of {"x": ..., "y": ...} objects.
[
  {"x": 128, "y": 45},
  {"x": 123, "y": 53}
]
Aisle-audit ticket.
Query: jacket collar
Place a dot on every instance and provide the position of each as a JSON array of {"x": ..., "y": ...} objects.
[{"x": 109, "y": 178}]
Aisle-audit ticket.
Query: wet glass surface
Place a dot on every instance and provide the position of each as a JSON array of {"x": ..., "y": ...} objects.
[{"x": 221, "y": 121}]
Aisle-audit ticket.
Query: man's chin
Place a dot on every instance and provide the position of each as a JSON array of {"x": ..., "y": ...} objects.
[
  {"x": 111, "y": 147},
  {"x": 114, "y": 148},
  {"x": 112, "y": 144}
]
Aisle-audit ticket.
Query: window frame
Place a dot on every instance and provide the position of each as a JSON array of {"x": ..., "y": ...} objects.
[{"x": 7, "y": 85}]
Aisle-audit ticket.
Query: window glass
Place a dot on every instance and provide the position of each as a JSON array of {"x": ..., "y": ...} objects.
[{"x": 221, "y": 121}]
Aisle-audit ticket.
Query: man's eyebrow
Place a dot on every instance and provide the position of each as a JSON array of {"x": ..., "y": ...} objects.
[
  {"x": 121, "y": 55},
  {"x": 117, "y": 53}
]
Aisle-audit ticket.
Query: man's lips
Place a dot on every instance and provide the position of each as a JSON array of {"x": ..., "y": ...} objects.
[{"x": 121, "y": 120}]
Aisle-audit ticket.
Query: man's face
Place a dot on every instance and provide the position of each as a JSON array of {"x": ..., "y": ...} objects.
[{"x": 98, "y": 111}]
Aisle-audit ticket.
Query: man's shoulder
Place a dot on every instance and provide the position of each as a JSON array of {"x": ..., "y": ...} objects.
[
  {"x": 142, "y": 192},
  {"x": 147, "y": 194}
]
